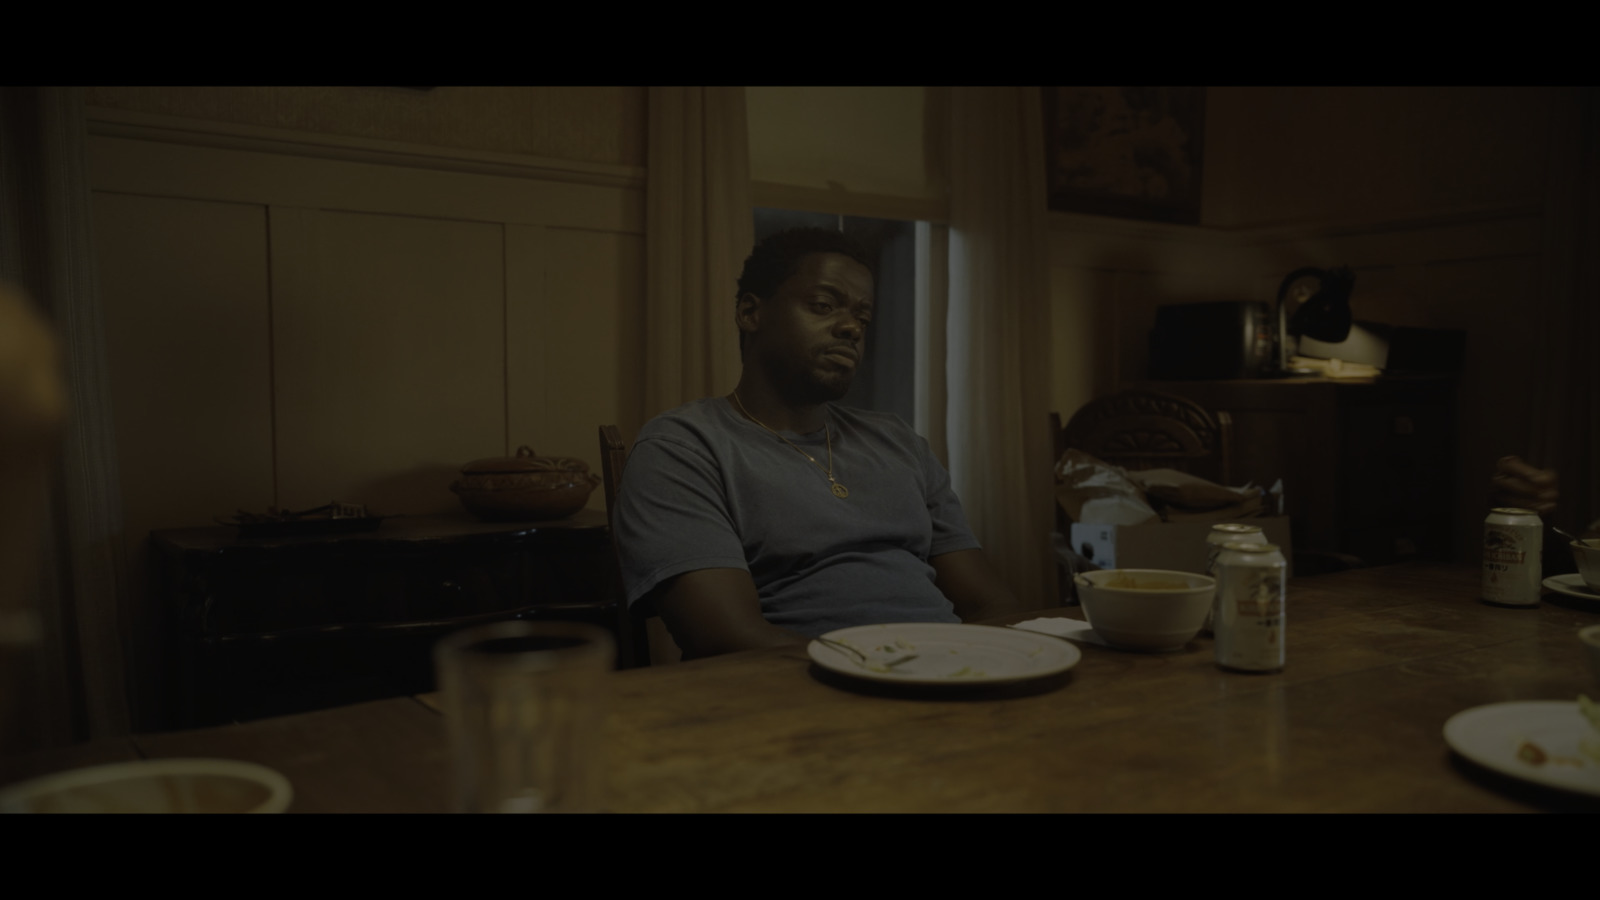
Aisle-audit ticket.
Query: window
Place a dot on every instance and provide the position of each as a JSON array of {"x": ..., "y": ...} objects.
[{"x": 885, "y": 380}]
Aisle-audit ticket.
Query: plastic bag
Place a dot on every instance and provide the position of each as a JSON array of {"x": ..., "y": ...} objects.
[{"x": 1099, "y": 493}]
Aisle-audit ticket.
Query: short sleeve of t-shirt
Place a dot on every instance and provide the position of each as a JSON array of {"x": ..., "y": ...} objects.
[
  {"x": 950, "y": 529},
  {"x": 680, "y": 524}
]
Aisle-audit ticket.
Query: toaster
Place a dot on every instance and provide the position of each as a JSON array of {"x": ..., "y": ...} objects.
[{"x": 1229, "y": 339}]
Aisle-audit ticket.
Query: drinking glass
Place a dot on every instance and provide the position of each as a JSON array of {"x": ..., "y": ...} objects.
[{"x": 525, "y": 703}]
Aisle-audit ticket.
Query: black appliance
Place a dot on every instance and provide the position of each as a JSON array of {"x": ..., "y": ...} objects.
[{"x": 1212, "y": 341}]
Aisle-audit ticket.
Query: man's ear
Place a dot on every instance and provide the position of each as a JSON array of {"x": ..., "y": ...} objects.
[{"x": 747, "y": 313}]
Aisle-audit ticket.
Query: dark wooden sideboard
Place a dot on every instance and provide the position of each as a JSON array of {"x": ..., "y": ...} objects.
[
  {"x": 269, "y": 626},
  {"x": 1368, "y": 466}
]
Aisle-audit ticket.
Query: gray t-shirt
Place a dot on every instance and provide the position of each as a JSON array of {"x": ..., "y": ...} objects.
[{"x": 705, "y": 488}]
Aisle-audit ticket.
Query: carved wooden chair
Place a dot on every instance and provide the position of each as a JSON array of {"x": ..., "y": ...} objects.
[
  {"x": 1143, "y": 429},
  {"x": 645, "y": 629}
]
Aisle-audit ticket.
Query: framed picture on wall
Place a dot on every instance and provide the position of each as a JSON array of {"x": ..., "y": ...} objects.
[{"x": 1129, "y": 152}]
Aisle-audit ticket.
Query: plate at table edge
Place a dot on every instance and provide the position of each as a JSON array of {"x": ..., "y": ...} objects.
[
  {"x": 1492, "y": 735},
  {"x": 1572, "y": 585},
  {"x": 15, "y": 797},
  {"x": 1062, "y": 655}
]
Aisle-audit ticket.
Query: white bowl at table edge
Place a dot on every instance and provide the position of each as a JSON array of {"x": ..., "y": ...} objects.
[
  {"x": 1149, "y": 619},
  {"x": 278, "y": 791},
  {"x": 1586, "y": 556}
]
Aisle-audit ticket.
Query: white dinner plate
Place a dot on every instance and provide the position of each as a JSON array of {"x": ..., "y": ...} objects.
[
  {"x": 1572, "y": 585},
  {"x": 1499, "y": 736},
  {"x": 946, "y": 654}
]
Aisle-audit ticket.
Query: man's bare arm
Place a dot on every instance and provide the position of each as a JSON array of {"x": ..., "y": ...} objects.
[
  {"x": 969, "y": 581},
  {"x": 714, "y": 611}
]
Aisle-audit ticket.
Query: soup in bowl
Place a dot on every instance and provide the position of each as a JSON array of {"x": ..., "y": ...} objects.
[{"x": 1145, "y": 609}]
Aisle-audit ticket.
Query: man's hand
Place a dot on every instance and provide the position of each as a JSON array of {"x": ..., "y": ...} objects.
[
  {"x": 714, "y": 611},
  {"x": 1515, "y": 483},
  {"x": 969, "y": 581},
  {"x": 33, "y": 397},
  {"x": 33, "y": 412}
]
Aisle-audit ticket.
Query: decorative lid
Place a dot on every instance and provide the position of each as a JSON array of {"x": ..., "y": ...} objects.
[{"x": 525, "y": 461}]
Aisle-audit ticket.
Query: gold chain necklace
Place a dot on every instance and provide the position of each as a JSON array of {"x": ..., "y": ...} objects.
[{"x": 839, "y": 490}]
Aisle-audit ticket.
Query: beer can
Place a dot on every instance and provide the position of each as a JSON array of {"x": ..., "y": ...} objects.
[
  {"x": 1249, "y": 623},
  {"x": 1512, "y": 569},
  {"x": 1221, "y": 534}
]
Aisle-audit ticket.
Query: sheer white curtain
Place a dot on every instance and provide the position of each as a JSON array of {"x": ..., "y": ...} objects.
[
  {"x": 698, "y": 232},
  {"x": 1567, "y": 407},
  {"x": 77, "y": 687},
  {"x": 997, "y": 357}
]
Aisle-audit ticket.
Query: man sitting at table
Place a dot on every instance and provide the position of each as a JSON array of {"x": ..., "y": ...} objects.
[{"x": 771, "y": 515}]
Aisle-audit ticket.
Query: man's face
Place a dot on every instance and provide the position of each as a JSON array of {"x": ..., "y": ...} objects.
[{"x": 811, "y": 333}]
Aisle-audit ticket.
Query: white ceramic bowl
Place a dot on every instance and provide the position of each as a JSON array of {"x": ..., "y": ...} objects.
[
  {"x": 1145, "y": 609},
  {"x": 154, "y": 786},
  {"x": 1591, "y": 643},
  {"x": 1587, "y": 556}
]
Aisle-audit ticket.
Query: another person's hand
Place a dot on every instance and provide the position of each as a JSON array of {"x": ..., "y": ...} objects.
[
  {"x": 33, "y": 399},
  {"x": 1516, "y": 483},
  {"x": 33, "y": 410}
]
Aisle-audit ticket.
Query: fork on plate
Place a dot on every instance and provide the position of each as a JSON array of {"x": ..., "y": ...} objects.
[{"x": 862, "y": 659}]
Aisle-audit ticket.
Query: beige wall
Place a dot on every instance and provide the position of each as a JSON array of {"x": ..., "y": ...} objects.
[
  {"x": 1314, "y": 154},
  {"x": 296, "y": 316},
  {"x": 848, "y": 140},
  {"x": 365, "y": 329},
  {"x": 593, "y": 124}
]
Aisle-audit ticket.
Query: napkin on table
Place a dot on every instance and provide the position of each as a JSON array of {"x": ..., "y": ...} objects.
[{"x": 1071, "y": 629}]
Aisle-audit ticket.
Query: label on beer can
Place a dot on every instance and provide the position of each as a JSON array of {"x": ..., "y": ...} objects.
[
  {"x": 1249, "y": 614},
  {"x": 1512, "y": 566}
]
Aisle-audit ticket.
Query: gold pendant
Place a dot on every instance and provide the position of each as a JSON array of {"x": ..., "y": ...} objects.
[{"x": 840, "y": 490}]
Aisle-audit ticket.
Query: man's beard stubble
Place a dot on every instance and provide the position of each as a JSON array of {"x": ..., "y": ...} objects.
[{"x": 813, "y": 387}]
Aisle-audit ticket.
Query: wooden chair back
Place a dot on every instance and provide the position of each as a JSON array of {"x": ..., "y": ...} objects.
[
  {"x": 1141, "y": 429},
  {"x": 613, "y": 456}
]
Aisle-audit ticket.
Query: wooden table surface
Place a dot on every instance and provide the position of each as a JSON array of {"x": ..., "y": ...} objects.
[{"x": 1378, "y": 660}]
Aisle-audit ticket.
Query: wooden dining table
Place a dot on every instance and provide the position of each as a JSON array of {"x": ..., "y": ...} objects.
[{"x": 1377, "y": 661}]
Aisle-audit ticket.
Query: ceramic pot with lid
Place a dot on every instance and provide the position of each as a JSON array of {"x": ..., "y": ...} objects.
[{"x": 525, "y": 487}]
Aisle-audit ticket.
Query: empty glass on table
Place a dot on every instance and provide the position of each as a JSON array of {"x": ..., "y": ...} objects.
[{"x": 525, "y": 705}]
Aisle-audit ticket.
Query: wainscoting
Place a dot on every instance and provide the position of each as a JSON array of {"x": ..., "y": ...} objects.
[{"x": 298, "y": 318}]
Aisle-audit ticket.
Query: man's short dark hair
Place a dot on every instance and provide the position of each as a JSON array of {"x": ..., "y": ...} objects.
[{"x": 775, "y": 259}]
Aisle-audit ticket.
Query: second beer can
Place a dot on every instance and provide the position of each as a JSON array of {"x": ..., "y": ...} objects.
[
  {"x": 1513, "y": 541},
  {"x": 1221, "y": 534},
  {"x": 1250, "y": 615}
]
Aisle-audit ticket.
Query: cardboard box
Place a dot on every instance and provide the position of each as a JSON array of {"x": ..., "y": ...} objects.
[{"x": 1164, "y": 545}]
